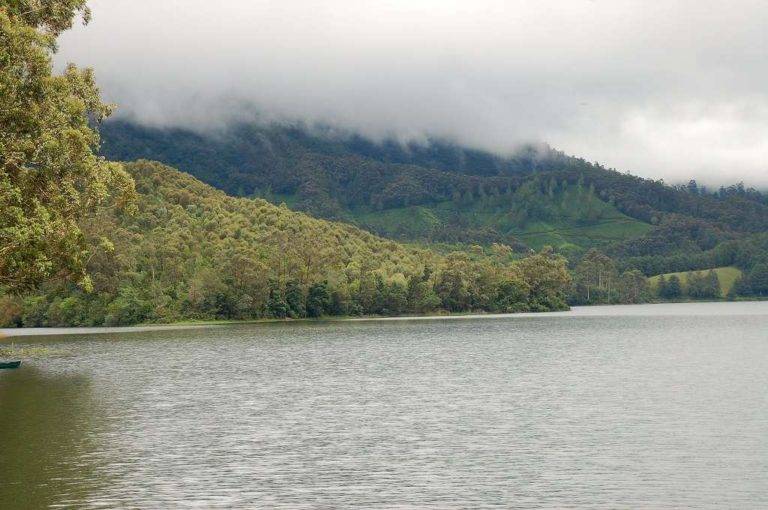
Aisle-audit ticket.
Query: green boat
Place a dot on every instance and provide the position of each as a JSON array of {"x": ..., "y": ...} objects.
[{"x": 10, "y": 364}]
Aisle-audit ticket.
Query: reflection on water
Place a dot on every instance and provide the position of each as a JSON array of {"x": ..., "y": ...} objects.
[
  {"x": 48, "y": 431},
  {"x": 615, "y": 407}
]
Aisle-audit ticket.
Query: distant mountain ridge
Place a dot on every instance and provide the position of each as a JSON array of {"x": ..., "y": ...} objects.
[{"x": 439, "y": 192}]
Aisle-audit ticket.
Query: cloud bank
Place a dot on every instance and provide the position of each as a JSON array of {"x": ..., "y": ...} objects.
[{"x": 673, "y": 90}]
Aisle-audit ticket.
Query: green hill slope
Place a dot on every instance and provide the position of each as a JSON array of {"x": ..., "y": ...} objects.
[
  {"x": 560, "y": 220},
  {"x": 726, "y": 275},
  {"x": 193, "y": 252},
  {"x": 440, "y": 193}
]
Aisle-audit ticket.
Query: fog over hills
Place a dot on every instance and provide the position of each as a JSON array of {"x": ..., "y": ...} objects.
[{"x": 671, "y": 90}]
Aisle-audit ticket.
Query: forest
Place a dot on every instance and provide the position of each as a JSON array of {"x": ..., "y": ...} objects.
[
  {"x": 437, "y": 193},
  {"x": 190, "y": 252}
]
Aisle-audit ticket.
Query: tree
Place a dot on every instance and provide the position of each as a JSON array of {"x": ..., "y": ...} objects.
[
  {"x": 340, "y": 302},
  {"x": 294, "y": 298},
  {"x": 421, "y": 296},
  {"x": 703, "y": 286},
  {"x": 128, "y": 308},
  {"x": 713, "y": 285},
  {"x": 633, "y": 287},
  {"x": 672, "y": 289},
  {"x": 740, "y": 288},
  {"x": 452, "y": 286},
  {"x": 276, "y": 305},
  {"x": 546, "y": 275},
  {"x": 50, "y": 175},
  {"x": 695, "y": 286},
  {"x": 595, "y": 278},
  {"x": 758, "y": 279},
  {"x": 318, "y": 299},
  {"x": 394, "y": 295},
  {"x": 512, "y": 295}
]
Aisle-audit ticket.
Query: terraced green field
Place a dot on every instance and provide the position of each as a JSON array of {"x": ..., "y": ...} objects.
[
  {"x": 604, "y": 231},
  {"x": 563, "y": 227}
]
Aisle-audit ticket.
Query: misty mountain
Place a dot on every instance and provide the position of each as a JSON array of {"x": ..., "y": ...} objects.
[{"x": 440, "y": 192}]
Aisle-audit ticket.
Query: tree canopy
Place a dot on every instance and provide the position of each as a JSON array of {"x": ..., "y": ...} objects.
[
  {"x": 192, "y": 252},
  {"x": 50, "y": 174}
]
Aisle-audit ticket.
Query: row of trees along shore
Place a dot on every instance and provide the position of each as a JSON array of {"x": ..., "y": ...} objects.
[{"x": 597, "y": 280}]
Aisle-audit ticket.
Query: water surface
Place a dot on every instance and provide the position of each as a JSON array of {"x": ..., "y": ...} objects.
[{"x": 662, "y": 406}]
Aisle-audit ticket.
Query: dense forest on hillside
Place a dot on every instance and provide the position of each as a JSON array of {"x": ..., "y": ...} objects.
[
  {"x": 438, "y": 192},
  {"x": 86, "y": 240},
  {"x": 192, "y": 252}
]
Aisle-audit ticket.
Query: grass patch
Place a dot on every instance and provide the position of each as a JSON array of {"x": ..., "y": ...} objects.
[{"x": 727, "y": 276}]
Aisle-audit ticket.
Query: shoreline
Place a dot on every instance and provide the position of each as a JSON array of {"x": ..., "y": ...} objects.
[{"x": 580, "y": 311}]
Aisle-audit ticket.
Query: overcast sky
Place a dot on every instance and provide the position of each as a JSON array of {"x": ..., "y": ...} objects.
[{"x": 664, "y": 89}]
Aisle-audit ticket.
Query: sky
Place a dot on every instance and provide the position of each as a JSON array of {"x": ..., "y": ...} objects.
[{"x": 670, "y": 90}]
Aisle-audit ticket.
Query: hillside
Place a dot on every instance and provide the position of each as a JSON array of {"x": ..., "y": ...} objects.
[
  {"x": 192, "y": 252},
  {"x": 449, "y": 194},
  {"x": 438, "y": 192},
  {"x": 727, "y": 277},
  {"x": 482, "y": 220}
]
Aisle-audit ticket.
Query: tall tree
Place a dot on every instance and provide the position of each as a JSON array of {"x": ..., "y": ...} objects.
[
  {"x": 633, "y": 287},
  {"x": 703, "y": 285},
  {"x": 546, "y": 275},
  {"x": 50, "y": 174},
  {"x": 673, "y": 288},
  {"x": 318, "y": 299},
  {"x": 595, "y": 277},
  {"x": 758, "y": 279}
]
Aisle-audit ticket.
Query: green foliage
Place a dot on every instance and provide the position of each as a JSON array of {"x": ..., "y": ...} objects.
[
  {"x": 547, "y": 279},
  {"x": 130, "y": 306},
  {"x": 49, "y": 174},
  {"x": 595, "y": 278},
  {"x": 50, "y": 17},
  {"x": 702, "y": 285},
  {"x": 413, "y": 194},
  {"x": 191, "y": 252},
  {"x": 670, "y": 288},
  {"x": 277, "y": 306},
  {"x": 318, "y": 300},
  {"x": 439, "y": 193},
  {"x": 758, "y": 279},
  {"x": 529, "y": 217},
  {"x": 633, "y": 287},
  {"x": 294, "y": 299},
  {"x": 703, "y": 282}
]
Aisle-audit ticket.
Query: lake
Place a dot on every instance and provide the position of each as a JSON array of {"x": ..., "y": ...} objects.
[{"x": 648, "y": 406}]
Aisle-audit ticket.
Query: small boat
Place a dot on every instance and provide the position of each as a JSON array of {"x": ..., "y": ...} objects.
[{"x": 10, "y": 364}]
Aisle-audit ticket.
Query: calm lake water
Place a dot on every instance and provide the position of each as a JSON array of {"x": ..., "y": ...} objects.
[{"x": 662, "y": 406}]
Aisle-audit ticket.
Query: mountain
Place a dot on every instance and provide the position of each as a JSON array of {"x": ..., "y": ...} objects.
[
  {"x": 192, "y": 252},
  {"x": 441, "y": 193},
  {"x": 436, "y": 193}
]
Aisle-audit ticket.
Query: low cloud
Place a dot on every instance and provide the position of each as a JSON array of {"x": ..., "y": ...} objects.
[{"x": 672, "y": 90}]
